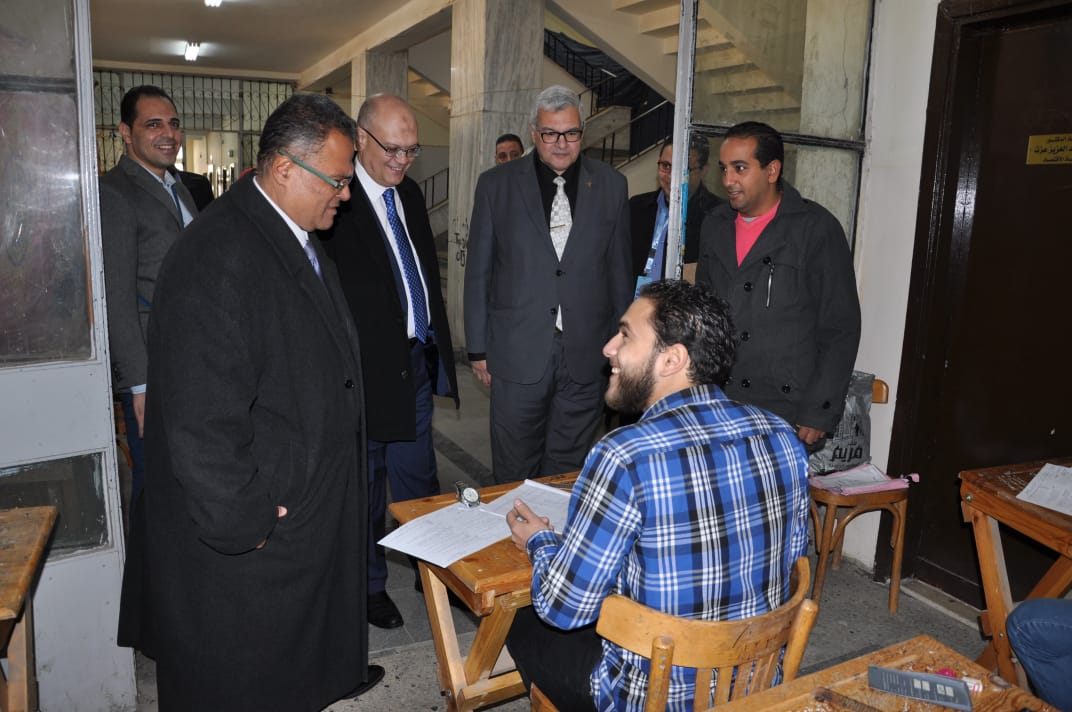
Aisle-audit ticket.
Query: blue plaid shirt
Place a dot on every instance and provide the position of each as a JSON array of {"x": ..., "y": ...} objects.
[{"x": 698, "y": 510}]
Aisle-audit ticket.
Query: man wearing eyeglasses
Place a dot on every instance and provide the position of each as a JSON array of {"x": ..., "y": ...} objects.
[
  {"x": 547, "y": 275},
  {"x": 650, "y": 215},
  {"x": 256, "y": 499},
  {"x": 383, "y": 245}
]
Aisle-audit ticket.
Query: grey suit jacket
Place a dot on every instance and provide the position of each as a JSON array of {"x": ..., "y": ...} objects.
[
  {"x": 139, "y": 223},
  {"x": 514, "y": 281}
]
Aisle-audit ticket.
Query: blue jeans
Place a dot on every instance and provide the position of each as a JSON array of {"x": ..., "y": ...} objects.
[{"x": 1040, "y": 632}]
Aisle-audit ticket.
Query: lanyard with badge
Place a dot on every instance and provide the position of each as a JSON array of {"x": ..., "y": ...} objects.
[{"x": 658, "y": 240}]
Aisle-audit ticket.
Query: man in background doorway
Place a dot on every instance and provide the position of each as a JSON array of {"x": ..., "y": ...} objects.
[
  {"x": 144, "y": 207},
  {"x": 508, "y": 147}
]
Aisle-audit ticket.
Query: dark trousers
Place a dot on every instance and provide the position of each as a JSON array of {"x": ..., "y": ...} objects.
[
  {"x": 137, "y": 453},
  {"x": 543, "y": 428},
  {"x": 559, "y": 662},
  {"x": 408, "y": 465}
]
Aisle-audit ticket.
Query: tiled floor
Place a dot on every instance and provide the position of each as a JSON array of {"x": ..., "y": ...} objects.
[{"x": 852, "y": 619}]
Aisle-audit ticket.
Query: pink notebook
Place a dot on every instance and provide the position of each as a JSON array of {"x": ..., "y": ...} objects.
[{"x": 861, "y": 480}]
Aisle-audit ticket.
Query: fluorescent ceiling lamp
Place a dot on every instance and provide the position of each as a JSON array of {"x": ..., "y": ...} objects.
[
  {"x": 191, "y": 51},
  {"x": 213, "y": 3}
]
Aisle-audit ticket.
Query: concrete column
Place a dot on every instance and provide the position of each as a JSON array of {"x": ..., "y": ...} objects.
[
  {"x": 831, "y": 102},
  {"x": 496, "y": 73},
  {"x": 377, "y": 73}
]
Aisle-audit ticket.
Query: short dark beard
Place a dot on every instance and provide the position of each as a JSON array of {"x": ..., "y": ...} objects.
[{"x": 634, "y": 392}]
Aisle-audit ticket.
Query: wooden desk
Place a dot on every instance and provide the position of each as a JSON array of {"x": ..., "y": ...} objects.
[
  {"x": 493, "y": 583},
  {"x": 849, "y": 680},
  {"x": 988, "y": 497},
  {"x": 24, "y": 534}
]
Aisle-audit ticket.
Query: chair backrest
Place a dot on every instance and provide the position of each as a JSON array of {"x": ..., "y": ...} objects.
[
  {"x": 880, "y": 391},
  {"x": 743, "y": 653}
]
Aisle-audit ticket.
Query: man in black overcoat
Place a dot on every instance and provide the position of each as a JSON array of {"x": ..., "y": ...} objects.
[{"x": 256, "y": 505}]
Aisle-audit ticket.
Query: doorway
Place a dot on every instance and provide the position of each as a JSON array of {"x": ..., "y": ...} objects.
[{"x": 982, "y": 372}]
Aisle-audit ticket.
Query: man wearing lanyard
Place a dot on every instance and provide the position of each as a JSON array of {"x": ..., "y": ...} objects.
[
  {"x": 143, "y": 209},
  {"x": 649, "y": 215},
  {"x": 383, "y": 245}
]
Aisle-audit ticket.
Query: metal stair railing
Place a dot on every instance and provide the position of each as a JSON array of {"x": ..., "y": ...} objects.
[
  {"x": 640, "y": 134},
  {"x": 436, "y": 188}
]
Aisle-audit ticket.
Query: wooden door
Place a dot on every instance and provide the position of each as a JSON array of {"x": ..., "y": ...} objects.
[{"x": 983, "y": 376}]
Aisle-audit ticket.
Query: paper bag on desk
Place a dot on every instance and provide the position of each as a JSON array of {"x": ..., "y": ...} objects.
[{"x": 861, "y": 480}]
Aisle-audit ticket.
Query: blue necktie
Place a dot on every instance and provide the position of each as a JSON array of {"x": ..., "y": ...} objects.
[
  {"x": 311, "y": 254},
  {"x": 175, "y": 195},
  {"x": 409, "y": 268}
]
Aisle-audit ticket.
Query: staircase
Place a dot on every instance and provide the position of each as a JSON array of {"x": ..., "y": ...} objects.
[
  {"x": 749, "y": 53},
  {"x": 626, "y": 117}
]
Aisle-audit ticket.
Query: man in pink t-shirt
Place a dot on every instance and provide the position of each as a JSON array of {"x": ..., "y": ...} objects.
[{"x": 784, "y": 265}]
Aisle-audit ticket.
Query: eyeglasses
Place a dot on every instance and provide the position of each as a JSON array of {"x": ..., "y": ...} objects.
[
  {"x": 396, "y": 151},
  {"x": 666, "y": 166},
  {"x": 337, "y": 183},
  {"x": 571, "y": 136}
]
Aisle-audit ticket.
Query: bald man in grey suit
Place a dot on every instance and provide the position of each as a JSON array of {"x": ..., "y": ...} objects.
[{"x": 547, "y": 276}]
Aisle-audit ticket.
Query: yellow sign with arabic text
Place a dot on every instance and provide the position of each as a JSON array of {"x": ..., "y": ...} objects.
[{"x": 1047, "y": 149}]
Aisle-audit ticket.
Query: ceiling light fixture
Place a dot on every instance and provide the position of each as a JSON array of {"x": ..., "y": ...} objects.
[
  {"x": 192, "y": 49},
  {"x": 213, "y": 3}
]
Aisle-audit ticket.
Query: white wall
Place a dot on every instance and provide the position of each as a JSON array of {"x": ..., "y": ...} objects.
[{"x": 902, "y": 44}]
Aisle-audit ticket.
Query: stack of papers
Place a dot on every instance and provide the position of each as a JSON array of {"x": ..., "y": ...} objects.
[
  {"x": 1050, "y": 488},
  {"x": 861, "y": 480},
  {"x": 456, "y": 531}
]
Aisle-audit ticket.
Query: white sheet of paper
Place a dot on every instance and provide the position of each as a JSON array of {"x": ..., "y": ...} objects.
[
  {"x": 545, "y": 500},
  {"x": 446, "y": 535},
  {"x": 1050, "y": 488}
]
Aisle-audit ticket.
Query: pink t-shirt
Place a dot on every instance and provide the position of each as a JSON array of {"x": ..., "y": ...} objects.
[{"x": 749, "y": 230}]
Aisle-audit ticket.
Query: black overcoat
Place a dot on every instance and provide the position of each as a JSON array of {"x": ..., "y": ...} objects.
[{"x": 255, "y": 402}]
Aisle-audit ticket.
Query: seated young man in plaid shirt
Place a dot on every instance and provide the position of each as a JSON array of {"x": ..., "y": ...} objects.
[{"x": 699, "y": 509}]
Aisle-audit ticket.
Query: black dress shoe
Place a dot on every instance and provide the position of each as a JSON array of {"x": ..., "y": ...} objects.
[
  {"x": 375, "y": 674},
  {"x": 382, "y": 611}
]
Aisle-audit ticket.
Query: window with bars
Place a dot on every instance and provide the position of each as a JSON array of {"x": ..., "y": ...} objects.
[{"x": 221, "y": 116}]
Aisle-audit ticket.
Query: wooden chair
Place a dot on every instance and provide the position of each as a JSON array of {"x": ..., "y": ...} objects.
[
  {"x": 744, "y": 653},
  {"x": 842, "y": 509}
]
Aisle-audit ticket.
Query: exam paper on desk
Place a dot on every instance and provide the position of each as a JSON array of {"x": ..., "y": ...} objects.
[
  {"x": 1050, "y": 488},
  {"x": 455, "y": 531}
]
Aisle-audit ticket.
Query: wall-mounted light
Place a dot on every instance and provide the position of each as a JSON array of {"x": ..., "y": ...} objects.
[
  {"x": 213, "y": 3},
  {"x": 192, "y": 49}
]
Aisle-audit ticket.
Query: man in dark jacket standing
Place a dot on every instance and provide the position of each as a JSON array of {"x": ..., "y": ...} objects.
[
  {"x": 256, "y": 498},
  {"x": 784, "y": 265},
  {"x": 383, "y": 246},
  {"x": 649, "y": 214}
]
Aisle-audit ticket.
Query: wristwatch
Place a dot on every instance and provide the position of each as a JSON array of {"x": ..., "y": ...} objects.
[{"x": 467, "y": 495}]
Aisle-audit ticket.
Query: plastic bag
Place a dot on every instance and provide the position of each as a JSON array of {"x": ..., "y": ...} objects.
[{"x": 850, "y": 445}]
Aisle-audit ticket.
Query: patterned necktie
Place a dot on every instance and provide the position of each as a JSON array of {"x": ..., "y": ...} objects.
[
  {"x": 561, "y": 222},
  {"x": 561, "y": 219},
  {"x": 409, "y": 268},
  {"x": 311, "y": 254}
]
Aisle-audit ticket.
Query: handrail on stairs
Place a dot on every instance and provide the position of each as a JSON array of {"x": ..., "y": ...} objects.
[
  {"x": 600, "y": 82},
  {"x": 436, "y": 188},
  {"x": 641, "y": 133}
]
